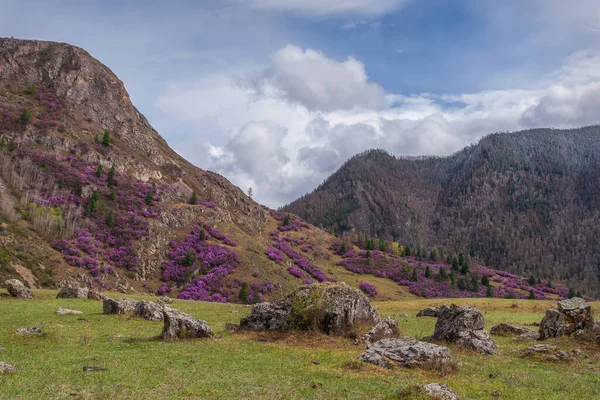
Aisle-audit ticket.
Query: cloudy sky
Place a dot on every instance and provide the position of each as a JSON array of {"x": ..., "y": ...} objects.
[{"x": 277, "y": 94}]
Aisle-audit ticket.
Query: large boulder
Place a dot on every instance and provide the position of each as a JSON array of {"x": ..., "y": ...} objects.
[
  {"x": 572, "y": 315},
  {"x": 149, "y": 310},
  {"x": 333, "y": 308},
  {"x": 118, "y": 306},
  {"x": 404, "y": 352},
  {"x": 17, "y": 289},
  {"x": 178, "y": 325},
  {"x": 463, "y": 326},
  {"x": 385, "y": 329},
  {"x": 439, "y": 391},
  {"x": 73, "y": 292},
  {"x": 505, "y": 329}
]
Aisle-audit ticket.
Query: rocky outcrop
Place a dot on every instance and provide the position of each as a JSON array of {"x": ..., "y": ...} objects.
[
  {"x": 572, "y": 315},
  {"x": 73, "y": 292},
  {"x": 165, "y": 300},
  {"x": 439, "y": 391},
  {"x": 149, "y": 310},
  {"x": 505, "y": 329},
  {"x": 178, "y": 325},
  {"x": 385, "y": 329},
  {"x": 333, "y": 308},
  {"x": 463, "y": 326},
  {"x": 65, "y": 311},
  {"x": 428, "y": 312},
  {"x": 6, "y": 368},
  {"x": 118, "y": 306},
  {"x": 404, "y": 352},
  {"x": 17, "y": 289},
  {"x": 95, "y": 295}
]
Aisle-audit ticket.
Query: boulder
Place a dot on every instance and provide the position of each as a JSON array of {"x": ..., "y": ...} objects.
[
  {"x": 149, "y": 310},
  {"x": 73, "y": 292},
  {"x": 463, "y": 326},
  {"x": 6, "y": 368},
  {"x": 118, "y": 306},
  {"x": 404, "y": 352},
  {"x": 428, "y": 312},
  {"x": 65, "y": 311},
  {"x": 95, "y": 295},
  {"x": 232, "y": 327},
  {"x": 333, "y": 308},
  {"x": 17, "y": 289},
  {"x": 531, "y": 335},
  {"x": 32, "y": 331},
  {"x": 508, "y": 329},
  {"x": 165, "y": 300},
  {"x": 539, "y": 349},
  {"x": 439, "y": 391},
  {"x": 182, "y": 326},
  {"x": 385, "y": 329},
  {"x": 572, "y": 315}
]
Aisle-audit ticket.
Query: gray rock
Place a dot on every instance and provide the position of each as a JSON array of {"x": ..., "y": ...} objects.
[
  {"x": 572, "y": 315},
  {"x": 539, "y": 349},
  {"x": 180, "y": 325},
  {"x": 95, "y": 295},
  {"x": 65, "y": 311},
  {"x": 118, "y": 306},
  {"x": 165, "y": 300},
  {"x": 333, "y": 308},
  {"x": 73, "y": 292},
  {"x": 404, "y": 352},
  {"x": 439, "y": 391},
  {"x": 17, "y": 289},
  {"x": 508, "y": 329},
  {"x": 149, "y": 310},
  {"x": 32, "y": 331},
  {"x": 6, "y": 368},
  {"x": 88, "y": 368},
  {"x": 463, "y": 326},
  {"x": 232, "y": 327},
  {"x": 385, "y": 329},
  {"x": 428, "y": 312},
  {"x": 531, "y": 335}
]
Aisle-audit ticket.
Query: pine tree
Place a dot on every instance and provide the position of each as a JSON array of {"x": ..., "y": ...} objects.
[
  {"x": 449, "y": 259},
  {"x": 434, "y": 254},
  {"x": 106, "y": 138},
  {"x": 461, "y": 259},
  {"x": 344, "y": 248},
  {"x": 532, "y": 280},
  {"x": 489, "y": 292},
  {"x": 371, "y": 244},
  {"x": 531, "y": 295},
  {"x": 26, "y": 116},
  {"x": 579, "y": 293},
  {"x": 189, "y": 259},
  {"x": 571, "y": 293},
  {"x": 287, "y": 220},
  {"x": 407, "y": 250},
  {"x": 455, "y": 263},
  {"x": 193, "y": 199},
  {"x": 99, "y": 171},
  {"x": 485, "y": 281},
  {"x": 427, "y": 272},
  {"x": 92, "y": 203},
  {"x": 474, "y": 284},
  {"x": 462, "y": 284},
  {"x": 415, "y": 275},
  {"x": 464, "y": 269},
  {"x": 61, "y": 182},
  {"x": 243, "y": 293},
  {"x": 110, "y": 219},
  {"x": 443, "y": 274},
  {"x": 110, "y": 177},
  {"x": 149, "y": 197},
  {"x": 2, "y": 143},
  {"x": 382, "y": 245},
  {"x": 453, "y": 277},
  {"x": 112, "y": 195}
]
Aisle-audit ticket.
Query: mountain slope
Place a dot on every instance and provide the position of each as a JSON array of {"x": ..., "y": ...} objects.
[{"x": 525, "y": 202}]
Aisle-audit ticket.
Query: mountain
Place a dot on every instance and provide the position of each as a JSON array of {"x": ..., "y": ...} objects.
[
  {"x": 91, "y": 194},
  {"x": 525, "y": 202}
]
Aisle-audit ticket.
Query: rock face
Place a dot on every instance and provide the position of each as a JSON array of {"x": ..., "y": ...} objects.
[
  {"x": 508, "y": 329},
  {"x": 464, "y": 326},
  {"x": 572, "y": 315},
  {"x": 439, "y": 391},
  {"x": 17, "y": 289},
  {"x": 65, "y": 311},
  {"x": 428, "y": 312},
  {"x": 383, "y": 330},
  {"x": 6, "y": 368},
  {"x": 149, "y": 310},
  {"x": 334, "y": 308},
  {"x": 73, "y": 292},
  {"x": 118, "y": 306},
  {"x": 178, "y": 325},
  {"x": 404, "y": 352}
]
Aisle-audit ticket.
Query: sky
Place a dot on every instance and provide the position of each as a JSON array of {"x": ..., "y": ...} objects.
[{"x": 277, "y": 94}]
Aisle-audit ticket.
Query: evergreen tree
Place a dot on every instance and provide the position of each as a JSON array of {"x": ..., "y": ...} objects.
[
  {"x": 407, "y": 250},
  {"x": 532, "y": 280},
  {"x": 202, "y": 235},
  {"x": 531, "y": 295},
  {"x": 61, "y": 182},
  {"x": 571, "y": 293},
  {"x": 149, "y": 197},
  {"x": 26, "y": 116},
  {"x": 433, "y": 255},
  {"x": 474, "y": 284},
  {"x": 106, "y": 138},
  {"x": 243, "y": 293},
  {"x": 99, "y": 171},
  {"x": 449, "y": 260},
  {"x": 461, "y": 259},
  {"x": 455, "y": 264},
  {"x": 189, "y": 259},
  {"x": 489, "y": 292},
  {"x": 427, "y": 272},
  {"x": 485, "y": 281},
  {"x": 92, "y": 203},
  {"x": 112, "y": 195},
  {"x": 415, "y": 275},
  {"x": 382, "y": 245},
  {"x": 443, "y": 274},
  {"x": 344, "y": 248},
  {"x": 287, "y": 220},
  {"x": 579, "y": 293},
  {"x": 110, "y": 177},
  {"x": 371, "y": 244},
  {"x": 462, "y": 284},
  {"x": 193, "y": 198},
  {"x": 453, "y": 277},
  {"x": 110, "y": 218},
  {"x": 464, "y": 269}
]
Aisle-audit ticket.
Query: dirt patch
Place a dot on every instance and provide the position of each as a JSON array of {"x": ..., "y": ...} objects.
[{"x": 26, "y": 275}]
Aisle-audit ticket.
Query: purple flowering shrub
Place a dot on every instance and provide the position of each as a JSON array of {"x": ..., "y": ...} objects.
[
  {"x": 368, "y": 288},
  {"x": 295, "y": 271},
  {"x": 274, "y": 255}
]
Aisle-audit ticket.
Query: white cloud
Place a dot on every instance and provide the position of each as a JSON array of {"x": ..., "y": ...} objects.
[
  {"x": 320, "y": 8},
  {"x": 305, "y": 114}
]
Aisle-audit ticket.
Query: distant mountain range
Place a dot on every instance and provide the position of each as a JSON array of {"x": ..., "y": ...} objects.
[{"x": 525, "y": 202}]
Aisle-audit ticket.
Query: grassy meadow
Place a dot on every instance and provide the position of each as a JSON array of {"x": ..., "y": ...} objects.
[{"x": 259, "y": 365}]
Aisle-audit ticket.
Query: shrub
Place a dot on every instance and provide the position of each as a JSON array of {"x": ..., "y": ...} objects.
[
  {"x": 308, "y": 310},
  {"x": 368, "y": 288},
  {"x": 26, "y": 116},
  {"x": 243, "y": 293},
  {"x": 193, "y": 199},
  {"x": 106, "y": 138}
]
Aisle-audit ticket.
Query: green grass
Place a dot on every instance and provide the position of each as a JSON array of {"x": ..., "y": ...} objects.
[{"x": 241, "y": 366}]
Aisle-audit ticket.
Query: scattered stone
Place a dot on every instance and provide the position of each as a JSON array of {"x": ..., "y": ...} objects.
[
  {"x": 118, "y": 306},
  {"x": 496, "y": 394},
  {"x": 508, "y": 329},
  {"x": 493, "y": 376},
  {"x": 6, "y": 368},
  {"x": 532, "y": 335},
  {"x": 73, "y": 292},
  {"x": 181, "y": 325},
  {"x": 232, "y": 327},
  {"x": 165, "y": 300},
  {"x": 149, "y": 310},
  {"x": 95, "y": 295},
  {"x": 439, "y": 391},
  {"x": 17, "y": 289},
  {"x": 65, "y": 311},
  {"x": 539, "y": 349},
  {"x": 428, "y": 312},
  {"x": 315, "y": 362},
  {"x": 464, "y": 326},
  {"x": 33, "y": 331},
  {"x": 117, "y": 336},
  {"x": 2, "y": 348},
  {"x": 405, "y": 352},
  {"x": 572, "y": 315},
  {"x": 333, "y": 308},
  {"x": 93, "y": 368},
  {"x": 385, "y": 329}
]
